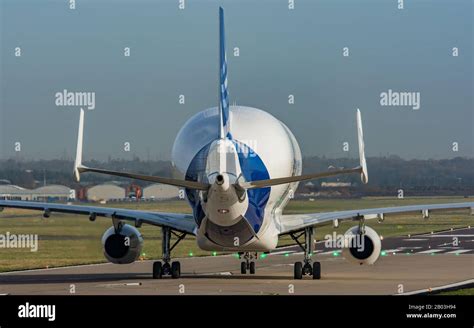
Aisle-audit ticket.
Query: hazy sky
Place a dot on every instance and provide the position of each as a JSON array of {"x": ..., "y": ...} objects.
[{"x": 282, "y": 52}]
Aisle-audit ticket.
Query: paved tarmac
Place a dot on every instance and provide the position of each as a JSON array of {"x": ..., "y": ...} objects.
[{"x": 408, "y": 264}]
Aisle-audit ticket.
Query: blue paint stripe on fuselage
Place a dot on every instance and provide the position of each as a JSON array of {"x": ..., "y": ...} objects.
[
  {"x": 197, "y": 172},
  {"x": 253, "y": 169}
]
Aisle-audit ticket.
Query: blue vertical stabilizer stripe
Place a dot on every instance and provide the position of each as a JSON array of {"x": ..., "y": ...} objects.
[{"x": 223, "y": 93}]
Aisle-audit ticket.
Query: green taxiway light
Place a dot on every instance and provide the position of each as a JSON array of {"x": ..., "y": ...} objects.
[
  {"x": 190, "y": 253},
  {"x": 214, "y": 253},
  {"x": 335, "y": 253},
  {"x": 383, "y": 253},
  {"x": 287, "y": 254},
  {"x": 263, "y": 255}
]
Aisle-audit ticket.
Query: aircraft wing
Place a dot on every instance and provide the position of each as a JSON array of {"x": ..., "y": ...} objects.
[
  {"x": 176, "y": 221},
  {"x": 295, "y": 222}
]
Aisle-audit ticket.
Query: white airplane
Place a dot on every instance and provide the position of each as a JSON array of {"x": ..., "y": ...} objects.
[{"x": 240, "y": 167}]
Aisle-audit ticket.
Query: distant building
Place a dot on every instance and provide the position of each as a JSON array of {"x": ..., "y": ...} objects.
[
  {"x": 12, "y": 192},
  {"x": 46, "y": 193},
  {"x": 105, "y": 192},
  {"x": 160, "y": 191},
  {"x": 54, "y": 193},
  {"x": 335, "y": 184}
]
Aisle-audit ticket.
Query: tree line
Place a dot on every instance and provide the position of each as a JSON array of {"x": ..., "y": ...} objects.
[{"x": 386, "y": 174}]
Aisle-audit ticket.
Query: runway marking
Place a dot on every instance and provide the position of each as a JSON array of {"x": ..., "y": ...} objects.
[
  {"x": 56, "y": 268},
  {"x": 393, "y": 250},
  {"x": 459, "y": 251},
  {"x": 413, "y": 247},
  {"x": 444, "y": 231},
  {"x": 445, "y": 244},
  {"x": 285, "y": 247},
  {"x": 124, "y": 284},
  {"x": 421, "y": 291},
  {"x": 225, "y": 273},
  {"x": 429, "y": 251},
  {"x": 282, "y": 252},
  {"x": 450, "y": 236},
  {"x": 293, "y": 252},
  {"x": 331, "y": 252}
]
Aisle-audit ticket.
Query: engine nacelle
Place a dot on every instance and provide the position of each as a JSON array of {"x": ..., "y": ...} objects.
[
  {"x": 362, "y": 249},
  {"x": 123, "y": 247}
]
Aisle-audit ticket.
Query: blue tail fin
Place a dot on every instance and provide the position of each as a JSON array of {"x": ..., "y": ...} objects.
[{"x": 223, "y": 94}]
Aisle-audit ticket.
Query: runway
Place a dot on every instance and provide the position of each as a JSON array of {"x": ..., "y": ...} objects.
[{"x": 408, "y": 264}]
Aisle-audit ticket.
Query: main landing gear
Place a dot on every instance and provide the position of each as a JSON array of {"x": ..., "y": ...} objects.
[
  {"x": 249, "y": 263},
  {"x": 308, "y": 267},
  {"x": 161, "y": 268}
]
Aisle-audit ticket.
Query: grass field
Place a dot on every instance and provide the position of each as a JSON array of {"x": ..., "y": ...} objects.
[
  {"x": 464, "y": 291},
  {"x": 72, "y": 239}
]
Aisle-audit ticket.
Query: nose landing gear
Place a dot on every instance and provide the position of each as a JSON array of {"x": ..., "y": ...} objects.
[{"x": 249, "y": 263}]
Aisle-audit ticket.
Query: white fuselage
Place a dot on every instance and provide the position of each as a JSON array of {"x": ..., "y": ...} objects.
[{"x": 259, "y": 147}]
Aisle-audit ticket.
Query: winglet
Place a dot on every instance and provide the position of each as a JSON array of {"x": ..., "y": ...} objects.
[
  {"x": 360, "y": 136},
  {"x": 78, "y": 161}
]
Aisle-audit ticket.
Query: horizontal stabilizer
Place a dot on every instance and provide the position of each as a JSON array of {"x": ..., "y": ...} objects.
[
  {"x": 278, "y": 181},
  {"x": 79, "y": 168},
  {"x": 168, "y": 181},
  {"x": 361, "y": 169}
]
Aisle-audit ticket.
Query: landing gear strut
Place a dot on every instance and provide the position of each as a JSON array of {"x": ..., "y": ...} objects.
[
  {"x": 308, "y": 267},
  {"x": 249, "y": 263},
  {"x": 164, "y": 267}
]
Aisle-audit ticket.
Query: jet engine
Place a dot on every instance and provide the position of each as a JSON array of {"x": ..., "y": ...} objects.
[
  {"x": 124, "y": 246},
  {"x": 362, "y": 248}
]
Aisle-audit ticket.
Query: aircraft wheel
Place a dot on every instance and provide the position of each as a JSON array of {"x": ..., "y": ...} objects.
[
  {"x": 157, "y": 270},
  {"x": 298, "y": 270},
  {"x": 252, "y": 267},
  {"x": 316, "y": 270},
  {"x": 175, "y": 270},
  {"x": 243, "y": 268}
]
